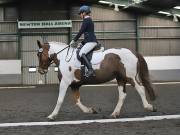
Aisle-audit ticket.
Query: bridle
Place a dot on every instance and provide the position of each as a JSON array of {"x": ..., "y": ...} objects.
[
  {"x": 52, "y": 57},
  {"x": 41, "y": 53}
]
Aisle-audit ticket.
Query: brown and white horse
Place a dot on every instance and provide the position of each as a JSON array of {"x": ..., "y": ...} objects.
[{"x": 121, "y": 64}]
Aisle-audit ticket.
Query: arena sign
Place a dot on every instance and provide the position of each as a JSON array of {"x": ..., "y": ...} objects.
[{"x": 44, "y": 24}]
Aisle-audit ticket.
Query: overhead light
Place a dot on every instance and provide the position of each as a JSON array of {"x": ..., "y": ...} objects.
[
  {"x": 178, "y": 15},
  {"x": 110, "y": 3},
  {"x": 177, "y": 7},
  {"x": 165, "y": 13},
  {"x": 175, "y": 16},
  {"x": 121, "y": 5},
  {"x": 104, "y": 2},
  {"x": 137, "y": 1},
  {"x": 116, "y": 8}
]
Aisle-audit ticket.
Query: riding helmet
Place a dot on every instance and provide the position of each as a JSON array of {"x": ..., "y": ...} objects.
[{"x": 85, "y": 9}]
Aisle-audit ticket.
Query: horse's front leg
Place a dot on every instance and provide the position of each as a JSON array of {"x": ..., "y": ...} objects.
[
  {"x": 122, "y": 96},
  {"x": 85, "y": 109},
  {"x": 62, "y": 92}
]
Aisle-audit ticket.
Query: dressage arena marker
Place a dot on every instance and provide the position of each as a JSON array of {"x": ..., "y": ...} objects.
[{"x": 146, "y": 118}]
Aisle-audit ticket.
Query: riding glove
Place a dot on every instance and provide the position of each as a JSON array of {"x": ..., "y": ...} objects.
[{"x": 73, "y": 44}]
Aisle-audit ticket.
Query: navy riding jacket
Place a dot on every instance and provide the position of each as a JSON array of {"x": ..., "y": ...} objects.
[{"x": 87, "y": 28}]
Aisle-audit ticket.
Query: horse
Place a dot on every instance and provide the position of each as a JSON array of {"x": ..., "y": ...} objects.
[{"x": 123, "y": 65}]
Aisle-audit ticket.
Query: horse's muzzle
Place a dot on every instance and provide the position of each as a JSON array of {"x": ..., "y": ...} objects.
[{"x": 42, "y": 71}]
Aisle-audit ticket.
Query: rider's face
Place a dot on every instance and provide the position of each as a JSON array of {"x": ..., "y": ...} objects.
[{"x": 82, "y": 15}]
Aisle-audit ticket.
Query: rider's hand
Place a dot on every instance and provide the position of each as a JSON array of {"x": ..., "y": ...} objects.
[
  {"x": 73, "y": 44},
  {"x": 79, "y": 45}
]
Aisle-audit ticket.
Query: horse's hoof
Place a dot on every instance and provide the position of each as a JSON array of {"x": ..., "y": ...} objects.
[
  {"x": 99, "y": 109},
  {"x": 94, "y": 111},
  {"x": 149, "y": 108},
  {"x": 50, "y": 118},
  {"x": 154, "y": 109},
  {"x": 115, "y": 115}
]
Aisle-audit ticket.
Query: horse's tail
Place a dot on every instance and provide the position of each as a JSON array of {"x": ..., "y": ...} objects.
[{"x": 144, "y": 76}]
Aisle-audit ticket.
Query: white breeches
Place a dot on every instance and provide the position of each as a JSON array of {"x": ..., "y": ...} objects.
[{"x": 87, "y": 48}]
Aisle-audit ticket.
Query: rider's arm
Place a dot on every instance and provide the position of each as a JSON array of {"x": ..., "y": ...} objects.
[{"x": 82, "y": 30}]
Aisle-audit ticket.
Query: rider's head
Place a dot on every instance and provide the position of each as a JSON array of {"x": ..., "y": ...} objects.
[{"x": 84, "y": 10}]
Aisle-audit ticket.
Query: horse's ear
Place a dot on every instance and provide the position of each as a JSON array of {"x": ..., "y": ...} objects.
[{"x": 39, "y": 44}]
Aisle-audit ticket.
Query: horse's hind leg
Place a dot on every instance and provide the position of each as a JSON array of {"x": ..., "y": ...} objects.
[
  {"x": 141, "y": 90},
  {"x": 85, "y": 109},
  {"x": 122, "y": 96}
]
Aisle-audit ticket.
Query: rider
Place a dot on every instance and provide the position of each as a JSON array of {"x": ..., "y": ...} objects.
[{"x": 89, "y": 42}]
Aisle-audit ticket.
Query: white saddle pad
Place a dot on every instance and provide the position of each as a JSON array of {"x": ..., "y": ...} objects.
[{"x": 97, "y": 57}]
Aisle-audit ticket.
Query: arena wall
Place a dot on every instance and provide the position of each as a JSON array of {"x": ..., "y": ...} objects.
[{"x": 148, "y": 34}]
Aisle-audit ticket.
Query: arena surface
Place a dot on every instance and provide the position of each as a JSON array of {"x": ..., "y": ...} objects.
[{"x": 34, "y": 104}]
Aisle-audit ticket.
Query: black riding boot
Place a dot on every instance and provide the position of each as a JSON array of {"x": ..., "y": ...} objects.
[{"x": 88, "y": 65}]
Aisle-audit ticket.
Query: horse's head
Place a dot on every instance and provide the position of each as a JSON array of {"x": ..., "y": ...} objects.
[{"x": 45, "y": 59}]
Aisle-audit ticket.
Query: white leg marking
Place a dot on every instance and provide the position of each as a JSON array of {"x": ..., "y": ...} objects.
[
  {"x": 141, "y": 91},
  {"x": 62, "y": 92},
  {"x": 122, "y": 96},
  {"x": 83, "y": 107}
]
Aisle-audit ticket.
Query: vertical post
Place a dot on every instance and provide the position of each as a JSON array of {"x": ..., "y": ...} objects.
[
  {"x": 19, "y": 50},
  {"x": 18, "y": 42},
  {"x": 70, "y": 35},
  {"x": 70, "y": 28},
  {"x": 137, "y": 32},
  {"x": 45, "y": 78},
  {"x": 44, "y": 38}
]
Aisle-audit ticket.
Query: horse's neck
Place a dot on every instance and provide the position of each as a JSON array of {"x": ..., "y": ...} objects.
[{"x": 55, "y": 47}]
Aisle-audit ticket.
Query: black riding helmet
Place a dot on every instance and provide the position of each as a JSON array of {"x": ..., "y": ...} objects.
[{"x": 84, "y": 9}]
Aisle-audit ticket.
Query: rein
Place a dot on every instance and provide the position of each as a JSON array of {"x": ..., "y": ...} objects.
[
  {"x": 63, "y": 49},
  {"x": 71, "y": 55},
  {"x": 67, "y": 53}
]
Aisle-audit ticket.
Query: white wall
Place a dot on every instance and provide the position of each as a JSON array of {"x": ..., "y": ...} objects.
[
  {"x": 162, "y": 68},
  {"x": 163, "y": 62},
  {"x": 10, "y": 67}
]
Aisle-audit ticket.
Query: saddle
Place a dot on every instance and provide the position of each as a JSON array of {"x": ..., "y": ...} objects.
[{"x": 89, "y": 57}]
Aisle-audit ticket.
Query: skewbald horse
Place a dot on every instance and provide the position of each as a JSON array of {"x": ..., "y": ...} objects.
[{"x": 121, "y": 64}]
